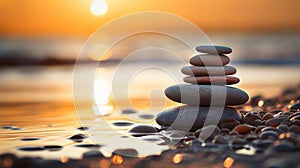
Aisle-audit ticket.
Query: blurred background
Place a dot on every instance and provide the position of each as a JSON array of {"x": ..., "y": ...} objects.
[{"x": 40, "y": 42}]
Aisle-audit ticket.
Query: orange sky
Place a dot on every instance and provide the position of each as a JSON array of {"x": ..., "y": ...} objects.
[{"x": 73, "y": 17}]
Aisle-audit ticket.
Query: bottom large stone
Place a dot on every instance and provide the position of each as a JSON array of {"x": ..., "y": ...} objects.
[{"x": 188, "y": 117}]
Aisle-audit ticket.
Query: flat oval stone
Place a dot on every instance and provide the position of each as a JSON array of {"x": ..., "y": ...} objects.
[
  {"x": 208, "y": 70},
  {"x": 188, "y": 117},
  {"x": 210, "y": 49},
  {"x": 206, "y": 95},
  {"x": 215, "y": 80},
  {"x": 209, "y": 60}
]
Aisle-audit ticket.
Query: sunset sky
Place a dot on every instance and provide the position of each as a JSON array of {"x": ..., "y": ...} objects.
[{"x": 74, "y": 17}]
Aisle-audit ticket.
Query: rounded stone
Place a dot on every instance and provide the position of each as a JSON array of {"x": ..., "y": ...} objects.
[
  {"x": 215, "y": 80},
  {"x": 142, "y": 130},
  {"x": 230, "y": 124},
  {"x": 283, "y": 146},
  {"x": 209, "y": 60},
  {"x": 210, "y": 49},
  {"x": 193, "y": 117},
  {"x": 208, "y": 132},
  {"x": 206, "y": 95},
  {"x": 269, "y": 135},
  {"x": 208, "y": 70},
  {"x": 296, "y": 106},
  {"x": 243, "y": 129}
]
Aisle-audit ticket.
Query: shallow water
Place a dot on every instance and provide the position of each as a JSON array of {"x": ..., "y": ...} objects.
[{"x": 37, "y": 102}]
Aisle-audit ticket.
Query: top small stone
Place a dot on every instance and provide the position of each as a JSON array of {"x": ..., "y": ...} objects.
[{"x": 217, "y": 50}]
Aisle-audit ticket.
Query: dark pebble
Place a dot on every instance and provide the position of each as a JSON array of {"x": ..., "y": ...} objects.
[
  {"x": 142, "y": 130},
  {"x": 250, "y": 118},
  {"x": 47, "y": 163},
  {"x": 262, "y": 143},
  {"x": 128, "y": 111},
  {"x": 283, "y": 127},
  {"x": 283, "y": 146},
  {"x": 243, "y": 129},
  {"x": 239, "y": 141},
  {"x": 146, "y": 116},
  {"x": 210, "y": 49},
  {"x": 78, "y": 137},
  {"x": 88, "y": 145},
  {"x": 29, "y": 139},
  {"x": 296, "y": 122},
  {"x": 208, "y": 132},
  {"x": 218, "y": 139},
  {"x": 274, "y": 122},
  {"x": 267, "y": 116},
  {"x": 53, "y": 147},
  {"x": 296, "y": 106},
  {"x": 95, "y": 154},
  {"x": 230, "y": 124},
  {"x": 269, "y": 135},
  {"x": 295, "y": 129},
  {"x": 122, "y": 123},
  {"x": 126, "y": 152},
  {"x": 294, "y": 114},
  {"x": 297, "y": 117},
  {"x": 83, "y": 128},
  {"x": 31, "y": 148}
]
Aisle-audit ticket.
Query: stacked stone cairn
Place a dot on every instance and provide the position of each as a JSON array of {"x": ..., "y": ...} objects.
[{"x": 207, "y": 100}]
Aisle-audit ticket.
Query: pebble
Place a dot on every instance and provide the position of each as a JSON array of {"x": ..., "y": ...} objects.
[
  {"x": 243, "y": 129},
  {"x": 202, "y": 95},
  {"x": 219, "y": 139},
  {"x": 295, "y": 129},
  {"x": 147, "y": 116},
  {"x": 122, "y": 123},
  {"x": 296, "y": 106},
  {"x": 267, "y": 116},
  {"x": 29, "y": 139},
  {"x": 207, "y": 132},
  {"x": 230, "y": 124},
  {"x": 126, "y": 152},
  {"x": 210, "y": 49},
  {"x": 78, "y": 137},
  {"x": 95, "y": 154},
  {"x": 88, "y": 145},
  {"x": 209, "y": 60},
  {"x": 274, "y": 122},
  {"x": 215, "y": 80},
  {"x": 250, "y": 118},
  {"x": 283, "y": 146},
  {"x": 269, "y": 135},
  {"x": 31, "y": 148},
  {"x": 283, "y": 127},
  {"x": 208, "y": 70},
  {"x": 128, "y": 111},
  {"x": 142, "y": 130},
  {"x": 83, "y": 128},
  {"x": 184, "y": 116},
  {"x": 53, "y": 147}
]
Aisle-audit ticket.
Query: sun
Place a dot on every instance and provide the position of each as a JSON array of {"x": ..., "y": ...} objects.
[{"x": 99, "y": 7}]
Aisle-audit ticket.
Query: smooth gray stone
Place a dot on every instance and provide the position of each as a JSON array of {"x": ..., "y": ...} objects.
[
  {"x": 208, "y": 70},
  {"x": 193, "y": 117},
  {"x": 201, "y": 95},
  {"x": 209, "y": 60},
  {"x": 210, "y": 49}
]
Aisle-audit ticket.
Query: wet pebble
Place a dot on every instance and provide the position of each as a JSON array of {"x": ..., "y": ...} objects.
[
  {"x": 147, "y": 116},
  {"x": 31, "y": 148},
  {"x": 269, "y": 135},
  {"x": 230, "y": 124},
  {"x": 283, "y": 146},
  {"x": 283, "y": 128},
  {"x": 88, "y": 145},
  {"x": 53, "y": 147},
  {"x": 95, "y": 154},
  {"x": 267, "y": 116},
  {"x": 296, "y": 106},
  {"x": 295, "y": 129},
  {"x": 78, "y": 137},
  {"x": 29, "y": 139},
  {"x": 128, "y": 111},
  {"x": 83, "y": 128},
  {"x": 142, "y": 130},
  {"x": 126, "y": 152},
  {"x": 208, "y": 132},
  {"x": 219, "y": 139},
  {"x": 274, "y": 122},
  {"x": 243, "y": 129},
  {"x": 250, "y": 118},
  {"x": 122, "y": 123}
]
